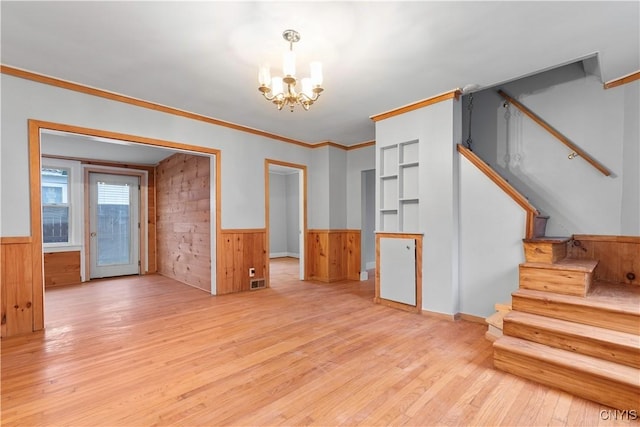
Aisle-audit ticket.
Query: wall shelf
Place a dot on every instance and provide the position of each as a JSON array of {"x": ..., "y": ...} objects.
[{"x": 398, "y": 187}]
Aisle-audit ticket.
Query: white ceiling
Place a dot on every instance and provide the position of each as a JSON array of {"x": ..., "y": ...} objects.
[{"x": 377, "y": 56}]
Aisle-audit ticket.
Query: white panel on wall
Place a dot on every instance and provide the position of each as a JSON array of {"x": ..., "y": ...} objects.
[{"x": 398, "y": 270}]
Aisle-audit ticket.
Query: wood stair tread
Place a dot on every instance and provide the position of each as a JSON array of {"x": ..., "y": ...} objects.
[
  {"x": 546, "y": 239},
  {"x": 618, "y": 338},
  {"x": 582, "y": 265},
  {"x": 496, "y": 319},
  {"x": 503, "y": 306},
  {"x": 593, "y": 366},
  {"x": 624, "y": 300}
]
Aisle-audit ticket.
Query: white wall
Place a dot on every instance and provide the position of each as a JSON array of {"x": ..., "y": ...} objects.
[
  {"x": 436, "y": 127},
  {"x": 630, "y": 215},
  {"x": 318, "y": 216},
  {"x": 338, "y": 188},
  {"x": 357, "y": 161},
  {"x": 604, "y": 123},
  {"x": 243, "y": 154},
  {"x": 368, "y": 237},
  {"x": 292, "y": 190},
  {"x": 492, "y": 226},
  {"x": 284, "y": 219},
  {"x": 277, "y": 215}
]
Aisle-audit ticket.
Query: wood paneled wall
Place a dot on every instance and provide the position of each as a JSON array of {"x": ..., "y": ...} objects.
[
  {"x": 16, "y": 286},
  {"x": 61, "y": 268},
  {"x": 618, "y": 256},
  {"x": 240, "y": 250},
  {"x": 333, "y": 255},
  {"x": 183, "y": 227},
  {"x": 152, "y": 238}
]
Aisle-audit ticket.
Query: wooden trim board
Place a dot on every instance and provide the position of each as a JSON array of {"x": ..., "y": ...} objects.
[{"x": 454, "y": 94}]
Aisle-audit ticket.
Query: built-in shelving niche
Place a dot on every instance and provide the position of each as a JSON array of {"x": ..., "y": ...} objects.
[{"x": 399, "y": 185}]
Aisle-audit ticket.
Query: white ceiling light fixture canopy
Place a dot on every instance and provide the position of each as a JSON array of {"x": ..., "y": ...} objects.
[{"x": 282, "y": 90}]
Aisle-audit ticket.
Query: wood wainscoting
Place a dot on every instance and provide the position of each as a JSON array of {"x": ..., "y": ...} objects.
[
  {"x": 238, "y": 251},
  {"x": 618, "y": 256},
  {"x": 333, "y": 255},
  {"x": 16, "y": 286},
  {"x": 61, "y": 268}
]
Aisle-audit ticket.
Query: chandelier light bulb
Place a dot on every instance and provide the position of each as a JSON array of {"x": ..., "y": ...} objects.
[
  {"x": 316, "y": 73},
  {"x": 289, "y": 64},
  {"x": 264, "y": 75},
  {"x": 277, "y": 88}
]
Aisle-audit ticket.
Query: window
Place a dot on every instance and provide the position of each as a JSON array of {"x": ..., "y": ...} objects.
[{"x": 55, "y": 205}]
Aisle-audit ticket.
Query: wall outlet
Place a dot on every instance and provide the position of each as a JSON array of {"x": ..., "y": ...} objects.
[{"x": 252, "y": 272}]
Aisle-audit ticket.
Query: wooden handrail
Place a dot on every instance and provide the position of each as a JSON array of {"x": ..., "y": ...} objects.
[
  {"x": 623, "y": 80},
  {"x": 593, "y": 162}
]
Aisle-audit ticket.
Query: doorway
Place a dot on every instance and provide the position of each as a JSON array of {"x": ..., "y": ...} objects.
[
  {"x": 286, "y": 216},
  {"x": 114, "y": 225},
  {"x": 368, "y": 221}
]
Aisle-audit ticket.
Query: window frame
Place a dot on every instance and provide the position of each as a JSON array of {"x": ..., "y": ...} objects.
[{"x": 73, "y": 203}]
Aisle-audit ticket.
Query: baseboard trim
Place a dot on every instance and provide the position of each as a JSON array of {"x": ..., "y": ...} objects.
[
  {"x": 284, "y": 255},
  {"x": 472, "y": 318},
  {"x": 443, "y": 316}
]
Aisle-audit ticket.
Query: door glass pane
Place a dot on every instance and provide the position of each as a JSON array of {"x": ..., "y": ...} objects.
[{"x": 113, "y": 227}]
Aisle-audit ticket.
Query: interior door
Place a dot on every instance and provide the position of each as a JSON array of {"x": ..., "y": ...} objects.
[{"x": 114, "y": 225}]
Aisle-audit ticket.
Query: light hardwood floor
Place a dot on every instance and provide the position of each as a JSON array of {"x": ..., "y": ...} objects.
[{"x": 151, "y": 351}]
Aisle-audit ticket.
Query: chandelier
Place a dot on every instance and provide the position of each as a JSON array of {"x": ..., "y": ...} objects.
[{"x": 282, "y": 90}]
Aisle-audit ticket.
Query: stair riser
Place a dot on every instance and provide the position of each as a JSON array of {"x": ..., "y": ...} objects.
[
  {"x": 544, "y": 252},
  {"x": 565, "y": 282},
  {"x": 626, "y": 355},
  {"x": 616, "y": 321},
  {"x": 602, "y": 390}
]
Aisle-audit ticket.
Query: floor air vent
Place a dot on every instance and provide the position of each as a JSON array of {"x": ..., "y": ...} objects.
[{"x": 257, "y": 284}]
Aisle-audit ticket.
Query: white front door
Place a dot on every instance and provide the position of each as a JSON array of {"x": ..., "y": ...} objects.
[{"x": 114, "y": 225}]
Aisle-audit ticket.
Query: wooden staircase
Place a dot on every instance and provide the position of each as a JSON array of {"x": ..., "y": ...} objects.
[{"x": 569, "y": 330}]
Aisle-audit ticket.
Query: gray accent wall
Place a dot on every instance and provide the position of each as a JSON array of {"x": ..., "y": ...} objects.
[{"x": 604, "y": 123}]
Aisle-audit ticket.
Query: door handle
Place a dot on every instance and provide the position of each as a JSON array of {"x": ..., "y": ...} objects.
[{"x": 93, "y": 234}]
